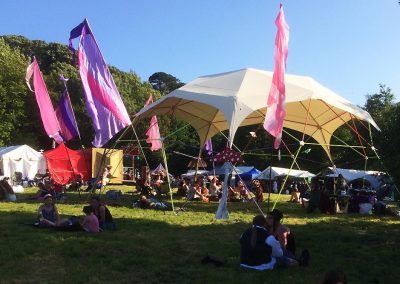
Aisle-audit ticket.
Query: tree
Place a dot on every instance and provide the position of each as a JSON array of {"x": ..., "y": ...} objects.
[
  {"x": 386, "y": 114},
  {"x": 164, "y": 83},
  {"x": 12, "y": 91}
]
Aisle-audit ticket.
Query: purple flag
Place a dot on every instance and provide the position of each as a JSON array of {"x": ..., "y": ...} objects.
[
  {"x": 66, "y": 118},
  {"x": 103, "y": 100},
  {"x": 47, "y": 114},
  {"x": 208, "y": 147}
]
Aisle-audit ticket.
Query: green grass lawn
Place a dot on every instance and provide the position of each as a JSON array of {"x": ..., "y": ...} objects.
[{"x": 156, "y": 247}]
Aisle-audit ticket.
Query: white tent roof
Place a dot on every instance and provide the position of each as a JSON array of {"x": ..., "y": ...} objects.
[
  {"x": 349, "y": 175},
  {"x": 276, "y": 172},
  {"x": 226, "y": 101},
  {"x": 220, "y": 170},
  {"x": 21, "y": 158},
  {"x": 191, "y": 173}
]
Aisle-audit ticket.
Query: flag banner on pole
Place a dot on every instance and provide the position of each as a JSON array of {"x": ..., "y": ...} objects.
[
  {"x": 47, "y": 113},
  {"x": 153, "y": 133},
  {"x": 209, "y": 147},
  {"x": 66, "y": 118},
  {"x": 276, "y": 112},
  {"x": 103, "y": 100}
]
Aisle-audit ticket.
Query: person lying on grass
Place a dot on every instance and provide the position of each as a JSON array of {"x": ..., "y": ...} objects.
[
  {"x": 102, "y": 213},
  {"x": 90, "y": 222}
]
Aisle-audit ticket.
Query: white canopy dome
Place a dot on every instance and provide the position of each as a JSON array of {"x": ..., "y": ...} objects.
[{"x": 226, "y": 101}]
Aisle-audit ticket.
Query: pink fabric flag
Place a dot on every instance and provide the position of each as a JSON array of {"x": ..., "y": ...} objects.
[
  {"x": 47, "y": 113},
  {"x": 276, "y": 112},
  {"x": 153, "y": 133}
]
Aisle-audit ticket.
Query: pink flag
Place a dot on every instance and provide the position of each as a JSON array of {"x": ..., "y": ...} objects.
[
  {"x": 153, "y": 133},
  {"x": 276, "y": 112},
  {"x": 47, "y": 113}
]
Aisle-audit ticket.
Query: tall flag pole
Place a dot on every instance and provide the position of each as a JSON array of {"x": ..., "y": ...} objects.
[
  {"x": 153, "y": 132},
  {"x": 103, "y": 101},
  {"x": 65, "y": 115},
  {"x": 276, "y": 112},
  {"x": 47, "y": 113}
]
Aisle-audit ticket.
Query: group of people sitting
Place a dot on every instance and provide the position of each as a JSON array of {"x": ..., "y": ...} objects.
[
  {"x": 268, "y": 244},
  {"x": 97, "y": 216},
  {"x": 199, "y": 190}
]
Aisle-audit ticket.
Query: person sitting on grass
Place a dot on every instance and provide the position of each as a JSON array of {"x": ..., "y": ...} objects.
[
  {"x": 295, "y": 194},
  {"x": 286, "y": 239},
  {"x": 204, "y": 193},
  {"x": 48, "y": 214},
  {"x": 6, "y": 191},
  {"x": 258, "y": 248},
  {"x": 90, "y": 222},
  {"x": 183, "y": 188},
  {"x": 194, "y": 193},
  {"x": 102, "y": 213},
  {"x": 244, "y": 194},
  {"x": 215, "y": 189},
  {"x": 258, "y": 190}
]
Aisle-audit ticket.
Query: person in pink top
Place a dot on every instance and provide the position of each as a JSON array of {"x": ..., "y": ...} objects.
[{"x": 90, "y": 223}]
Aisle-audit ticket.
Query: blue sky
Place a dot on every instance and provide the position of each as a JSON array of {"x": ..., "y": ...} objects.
[{"x": 349, "y": 46}]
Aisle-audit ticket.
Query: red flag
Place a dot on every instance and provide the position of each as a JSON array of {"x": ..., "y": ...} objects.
[{"x": 276, "y": 112}]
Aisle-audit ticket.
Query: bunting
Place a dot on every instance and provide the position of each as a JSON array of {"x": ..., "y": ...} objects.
[{"x": 103, "y": 101}]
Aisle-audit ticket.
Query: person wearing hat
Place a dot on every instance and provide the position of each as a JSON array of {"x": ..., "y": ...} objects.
[{"x": 48, "y": 213}]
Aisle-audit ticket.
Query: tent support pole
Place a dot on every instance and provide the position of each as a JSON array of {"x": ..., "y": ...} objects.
[{"x": 166, "y": 168}]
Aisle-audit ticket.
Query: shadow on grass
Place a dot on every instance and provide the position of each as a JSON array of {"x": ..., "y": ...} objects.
[{"x": 150, "y": 247}]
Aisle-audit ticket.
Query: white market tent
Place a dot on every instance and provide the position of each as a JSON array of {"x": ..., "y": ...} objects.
[
  {"x": 191, "y": 173},
  {"x": 282, "y": 172},
  {"x": 349, "y": 175},
  {"x": 21, "y": 158}
]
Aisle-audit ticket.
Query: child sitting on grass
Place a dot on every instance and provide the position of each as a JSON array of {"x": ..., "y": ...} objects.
[{"x": 90, "y": 222}]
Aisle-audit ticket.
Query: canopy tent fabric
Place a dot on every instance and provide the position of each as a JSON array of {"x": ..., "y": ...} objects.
[
  {"x": 229, "y": 100},
  {"x": 373, "y": 177},
  {"x": 191, "y": 173},
  {"x": 21, "y": 158},
  {"x": 251, "y": 174},
  {"x": 64, "y": 164},
  {"x": 193, "y": 163},
  {"x": 274, "y": 172},
  {"x": 159, "y": 169},
  {"x": 244, "y": 169},
  {"x": 220, "y": 170},
  {"x": 102, "y": 157}
]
